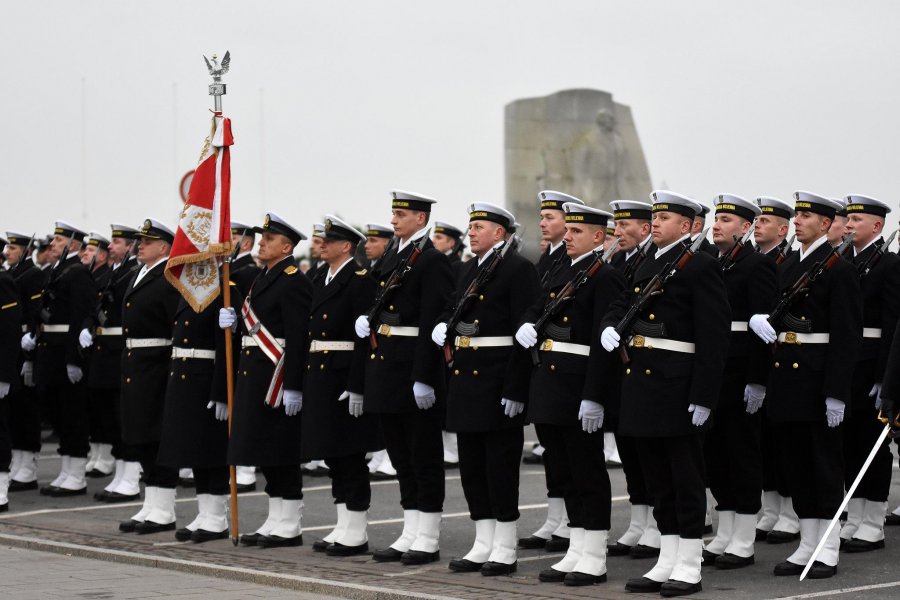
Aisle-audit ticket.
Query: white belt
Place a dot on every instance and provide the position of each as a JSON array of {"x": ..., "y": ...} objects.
[
  {"x": 493, "y": 341},
  {"x": 193, "y": 353},
  {"x": 739, "y": 325},
  {"x": 790, "y": 337},
  {"x": 54, "y": 329},
  {"x": 248, "y": 342},
  {"x": 147, "y": 342},
  {"x": 320, "y": 346},
  {"x": 109, "y": 331},
  {"x": 390, "y": 330},
  {"x": 554, "y": 346},
  {"x": 872, "y": 332},
  {"x": 651, "y": 343}
]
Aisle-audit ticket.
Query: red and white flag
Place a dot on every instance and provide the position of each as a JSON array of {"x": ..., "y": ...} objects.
[{"x": 204, "y": 230}]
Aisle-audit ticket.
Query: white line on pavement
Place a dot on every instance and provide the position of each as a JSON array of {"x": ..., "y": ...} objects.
[{"x": 851, "y": 590}]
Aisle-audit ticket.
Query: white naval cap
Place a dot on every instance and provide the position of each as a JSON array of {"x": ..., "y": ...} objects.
[
  {"x": 581, "y": 213},
  {"x": 411, "y": 201},
  {"x": 857, "y": 203},
  {"x": 18, "y": 239},
  {"x": 318, "y": 230},
  {"x": 379, "y": 231},
  {"x": 815, "y": 203},
  {"x": 448, "y": 229},
  {"x": 97, "y": 239},
  {"x": 843, "y": 211},
  {"x": 553, "y": 200},
  {"x": 155, "y": 229},
  {"x": 485, "y": 211},
  {"x": 731, "y": 203},
  {"x": 611, "y": 227},
  {"x": 664, "y": 200},
  {"x": 631, "y": 209},
  {"x": 66, "y": 229},
  {"x": 337, "y": 229},
  {"x": 773, "y": 206},
  {"x": 238, "y": 228},
  {"x": 704, "y": 210},
  {"x": 275, "y": 223}
]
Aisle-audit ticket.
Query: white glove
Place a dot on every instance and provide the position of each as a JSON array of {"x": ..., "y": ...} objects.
[
  {"x": 834, "y": 412},
  {"x": 760, "y": 325},
  {"x": 227, "y": 318},
  {"x": 221, "y": 410},
  {"x": 424, "y": 394},
  {"x": 511, "y": 408},
  {"x": 74, "y": 372},
  {"x": 293, "y": 402},
  {"x": 609, "y": 339},
  {"x": 439, "y": 334},
  {"x": 591, "y": 415},
  {"x": 362, "y": 326},
  {"x": 876, "y": 393},
  {"x": 28, "y": 373},
  {"x": 701, "y": 414},
  {"x": 28, "y": 342},
  {"x": 355, "y": 406},
  {"x": 527, "y": 335},
  {"x": 85, "y": 338},
  {"x": 4, "y": 389},
  {"x": 754, "y": 394}
]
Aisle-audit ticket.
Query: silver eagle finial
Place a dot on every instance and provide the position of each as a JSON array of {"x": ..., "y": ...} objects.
[{"x": 217, "y": 69}]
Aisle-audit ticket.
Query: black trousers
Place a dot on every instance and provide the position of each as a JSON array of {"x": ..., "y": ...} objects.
[
  {"x": 775, "y": 473},
  {"x": 414, "y": 443},
  {"x": 489, "y": 469},
  {"x": 5, "y": 439},
  {"x": 813, "y": 453},
  {"x": 350, "y": 481},
  {"x": 556, "y": 482},
  {"x": 25, "y": 419},
  {"x": 861, "y": 430},
  {"x": 72, "y": 419},
  {"x": 104, "y": 408},
  {"x": 154, "y": 475},
  {"x": 284, "y": 481},
  {"x": 211, "y": 480},
  {"x": 733, "y": 460},
  {"x": 635, "y": 482},
  {"x": 579, "y": 457},
  {"x": 674, "y": 470}
]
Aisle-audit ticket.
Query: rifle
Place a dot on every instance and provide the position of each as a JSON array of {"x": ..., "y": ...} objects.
[
  {"x": 727, "y": 260},
  {"x": 43, "y": 315},
  {"x": 805, "y": 281},
  {"x": 548, "y": 274},
  {"x": 632, "y": 267},
  {"x": 568, "y": 292},
  {"x": 472, "y": 291},
  {"x": 237, "y": 247},
  {"x": 393, "y": 282},
  {"x": 783, "y": 252},
  {"x": 876, "y": 256},
  {"x": 654, "y": 288}
]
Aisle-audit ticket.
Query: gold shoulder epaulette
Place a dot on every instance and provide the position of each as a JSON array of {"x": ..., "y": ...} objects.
[
  {"x": 362, "y": 272},
  {"x": 291, "y": 270}
]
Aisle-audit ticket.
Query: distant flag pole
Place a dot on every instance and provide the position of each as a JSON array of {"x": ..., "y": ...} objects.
[{"x": 204, "y": 235}]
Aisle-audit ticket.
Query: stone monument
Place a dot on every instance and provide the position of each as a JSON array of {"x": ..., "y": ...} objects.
[{"x": 579, "y": 142}]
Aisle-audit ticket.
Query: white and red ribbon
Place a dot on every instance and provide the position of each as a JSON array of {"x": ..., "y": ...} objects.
[{"x": 268, "y": 343}]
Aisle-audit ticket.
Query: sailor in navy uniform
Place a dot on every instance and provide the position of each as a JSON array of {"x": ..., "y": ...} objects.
[
  {"x": 697, "y": 229},
  {"x": 449, "y": 240},
  {"x": 677, "y": 351},
  {"x": 378, "y": 238},
  {"x": 810, "y": 381},
  {"x": 266, "y": 428},
  {"x": 405, "y": 380},
  {"x": 879, "y": 282},
  {"x": 10, "y": 334},
  {"x": 838, "y": 230},
  {"x": 317, "y": 267}
]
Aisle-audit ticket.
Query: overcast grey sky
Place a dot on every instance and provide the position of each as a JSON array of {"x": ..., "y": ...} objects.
[{"x": 335, "y": 103}]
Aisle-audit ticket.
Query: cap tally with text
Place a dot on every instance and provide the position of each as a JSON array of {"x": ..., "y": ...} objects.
[
  {"x": 318, "y": 230},
  {"x": 448, "y": 230},
  {"x": 241, "y": 229},
  {"x": 816, "y": 204},
  {"x": 579, "y": 213},
  {"x": 704, "y": 210},
  {"x": 379, "y": 231},
  {"x": 274, "y": 223},
  {"x": 485, "y": 211},
  {"x": 118, "y": 230},
  {"x": 336, "y": 229},
  {"x": 552, "y": 200},
  {"x": 775, "y": 207},
  {"x": 410, "y": 201},
  {"x": 856, "y": 203},
  {"x": 156, "y": 230},
  {"x": 18, "y": 239},
  {"x": 611, "y": 227},
  {"x": 666, "y": 201},
  {"x": 729, "y": 203},
  {"x": 66, "y": 229},
  {"x": 630, "y": 209},
  {"x": 43, "y": 243},
  {"x": 95, "y": 239}
]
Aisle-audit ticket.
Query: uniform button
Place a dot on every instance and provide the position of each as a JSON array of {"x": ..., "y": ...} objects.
[
  {"x": 246, "y": 353},
  {"x": 652, "y": 317},
  {"x": 325, "y": 316},
  {"x": 382, "y": 357},
  {"x": 481, "y": 296},
  {"x": 183, "y": 359},
  {"x": 128, "y": 305},
  {"x": 391, "y": 307},
  {"x": 476, "y": 321},
  {"x": 802, "y": 318},
  {"x": 777, "y": 365},
  {"x": 552, "y": 367},
  {"x": 171, "y": 373},
  {"x": 324, "y": 334},
  {"x": 129, "y": 354},
  {"x": 565, "y": 319},
  {"x": 321, "y": 367},
  {"x": 324, "y": 351},
  {"x": 637, "y": 290},
  {"x": 475, "y": 373},
  {"x": 126, "y": 330},
  {"x": 456, "y": 371},
  {"x": 245, "y": 373},
  {"x": 474, "y": 348},
  {"x": 628, "y": 371},
  {"x": 795, "y": 365},
  {"x": 308, "y": 367},
  {"x": 372, "y": 357},
  {"x": 647, "y": 371},
  {"x": 99, "y": 347},
  {"x": 186, "y": 323},
  {"x": 184, "y": 341},
  {"x": 128, "y": 380},
  {"x": 183, "y": 376},
  {"x": 553, "y": 294}
]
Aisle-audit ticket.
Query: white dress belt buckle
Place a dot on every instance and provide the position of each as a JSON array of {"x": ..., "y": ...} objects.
[
  {"x": 131, "y": 343},
  {"x": 487, "y": 341},
  {"x": 567, "y": 347},
  {"x": 739, "y": 326},
  {"x": 193, "y": 353},
  {"x": 54, "y": 328},
  {"x": 796, "y": 339},
  {"x": 109, "y": 331},
  {"x": 398, "y": 330},
  {"x": 651, "y": 343},
  {"x": 872, "y": 333},
  {"x": 323, "y": 346}
]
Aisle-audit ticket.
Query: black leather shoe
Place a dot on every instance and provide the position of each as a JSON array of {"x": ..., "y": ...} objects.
[
  {"x": 761, "y": 535},
  {"x": 642, "y": 551},
  {"x": 733, "y": 561},
  {"x": 4, "y": 507},
  {"x": 891, "y": 519},
  {"x": 820, "y": 570},
  {"x": 96, "y": 474},
  {"x": 202, "y": 535},
  {"x": 128, "y": 526},
  {"x": 462, "y": 565},
  {"x": 183, "y": 534},
  {"x": 276, "y": 541},
  {"x": 114, "y": 497},
  {"x": 576, "y": 579},
  {"x": 551, "y": 575},
  {"x": 336, "y": 549},
  {"x": 22, "y": 486},
  {"x": 709, "y": 557},
  {"x": 857, "y": 545},
  {"x": 673, "y": 588},
  {"x": 388, "y": 554},
  {"x": 320, "y": 546},
  {"x": 787, "y": 568},
  {"x": 148, "y": 527},
  {"x": 316, "y": 472},
  {"x": 491, "y": 569},
  {"x": 250, "y": 539},
  {"x": 557, "y": 544},
  {"x": 781, "y": 537},
  {"x": 379, "y": 476},
  {"x": 245, "y": 487},
  {"x": 417, "y": 557},
  {"x": 532, "y": 542},
  {"x": 618, "y": 549},
  {"x": 642, "y": 584},
  {"x": 45, "y": 491},
  {"x": 64, "y": 493}
]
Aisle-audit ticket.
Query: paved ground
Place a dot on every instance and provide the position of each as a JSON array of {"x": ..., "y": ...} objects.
[{"x": 87, "y": 531}]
